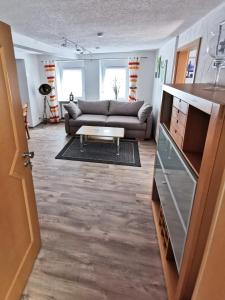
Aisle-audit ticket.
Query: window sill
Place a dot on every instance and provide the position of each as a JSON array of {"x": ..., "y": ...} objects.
[{"x": 67, "y": 101}]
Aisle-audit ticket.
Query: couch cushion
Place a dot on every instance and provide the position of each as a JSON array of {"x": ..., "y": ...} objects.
[
  {"x": 87, "y": 119},
  {"x": 122, "y": 108},
  {"x": 127, "y": 122},
  {"x": 100, "y": 107},
  {"x": 73, "y": 110},
  {"x": 144, "y": 112}
]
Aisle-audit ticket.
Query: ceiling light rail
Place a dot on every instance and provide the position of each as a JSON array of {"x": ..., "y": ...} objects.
[{"x": 67, "y": 43}]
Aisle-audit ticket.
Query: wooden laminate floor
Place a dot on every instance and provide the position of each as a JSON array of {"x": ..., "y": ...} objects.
[{"x": 98, "y": 236}]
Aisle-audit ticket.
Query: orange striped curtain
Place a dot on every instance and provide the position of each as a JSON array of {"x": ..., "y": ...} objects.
[
  {"x": 133, "y": 66},
  {"x": 49, "y": 67}
]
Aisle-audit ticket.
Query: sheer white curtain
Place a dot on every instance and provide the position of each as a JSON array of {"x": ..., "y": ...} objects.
[{"x": 133, "y": 66}]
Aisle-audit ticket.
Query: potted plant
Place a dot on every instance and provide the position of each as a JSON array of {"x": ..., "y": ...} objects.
[{"x": 116, "y": 88}]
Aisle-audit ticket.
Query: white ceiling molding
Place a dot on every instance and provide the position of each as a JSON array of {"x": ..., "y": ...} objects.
[{"x": 31, "y": 45}]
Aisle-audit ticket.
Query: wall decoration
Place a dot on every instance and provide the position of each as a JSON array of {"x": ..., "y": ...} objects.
[
  {"x": 157, "y": 66},
  {"x": 163, "y": 70}
]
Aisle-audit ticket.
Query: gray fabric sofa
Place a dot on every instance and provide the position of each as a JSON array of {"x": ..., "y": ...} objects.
[{"x": 111, "y": 113}]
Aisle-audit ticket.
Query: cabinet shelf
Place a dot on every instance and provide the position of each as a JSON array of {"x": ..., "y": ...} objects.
[
  {"x": 169, "y": 266},
  {"x": 193, "y": 127},
  {"x": 189, "y": 135},
  {"x": 194, "y": 160}
]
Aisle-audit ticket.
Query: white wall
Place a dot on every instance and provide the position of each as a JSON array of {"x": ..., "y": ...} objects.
[
  {"x": 145, "y": 79},
  {"x": 23, "y": 85},
  {"x": 34, "y": 100},
  {"x": 93, "y": 66},
  {"x": 92, "y": 87},
  {"x": 22, "y": 81},
  {"x": 204, "y": 72},
  {"x": 166, "y": 52}
]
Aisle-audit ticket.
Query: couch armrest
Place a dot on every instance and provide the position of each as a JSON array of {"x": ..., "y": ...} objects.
[
  {"x": 148, "y": 132},
  {"x": 67, "y": 124}
]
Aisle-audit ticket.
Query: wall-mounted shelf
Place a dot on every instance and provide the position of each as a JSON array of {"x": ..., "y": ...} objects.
[{"x": 188, "y": 168}]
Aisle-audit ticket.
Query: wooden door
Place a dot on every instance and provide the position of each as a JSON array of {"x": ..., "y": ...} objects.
[
  {"x": 182, "y": 60},
  {"x": 19, "y": 228}
]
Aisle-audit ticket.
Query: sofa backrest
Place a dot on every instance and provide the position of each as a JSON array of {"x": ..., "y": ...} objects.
[
  {"x": 121, "y": 108},
  {"x": 110, "y": 107},
  {"x": 100, "y": 107}
]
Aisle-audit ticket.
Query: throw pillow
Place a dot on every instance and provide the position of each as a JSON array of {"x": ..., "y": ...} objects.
[
  {"x": 143, "y": 112},
  {"x": 73, "y": 110}
]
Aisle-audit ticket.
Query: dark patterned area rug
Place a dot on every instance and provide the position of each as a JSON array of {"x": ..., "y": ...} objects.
[{"x": 102, "y": 152}]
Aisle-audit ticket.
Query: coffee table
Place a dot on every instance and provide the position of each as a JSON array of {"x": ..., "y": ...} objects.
[{"x": 100, "y": 133}]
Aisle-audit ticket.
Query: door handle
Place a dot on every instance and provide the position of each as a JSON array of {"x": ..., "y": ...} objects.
[
  {"x": 28, "y": 154},
  {"x": 28, "y": 163}
]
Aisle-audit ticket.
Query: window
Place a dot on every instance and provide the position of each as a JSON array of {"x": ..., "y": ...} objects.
[
  {"x": 72, "y": 81},
  {"x": 111, "y": 75}
]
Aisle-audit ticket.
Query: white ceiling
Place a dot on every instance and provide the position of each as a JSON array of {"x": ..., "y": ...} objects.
[{"x": 128, "y": 25}]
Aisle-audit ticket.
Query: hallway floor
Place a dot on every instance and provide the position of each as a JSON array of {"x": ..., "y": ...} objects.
[{"x": 98, "y": 235}]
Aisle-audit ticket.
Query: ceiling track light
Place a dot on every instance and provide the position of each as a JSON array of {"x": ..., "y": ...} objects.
[{"x": 78, "y": 48}]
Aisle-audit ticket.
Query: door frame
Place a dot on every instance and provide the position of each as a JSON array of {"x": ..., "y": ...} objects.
[{"x": 181, "y": 60}]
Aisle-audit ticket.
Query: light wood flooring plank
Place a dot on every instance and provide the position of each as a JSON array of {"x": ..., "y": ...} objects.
[{"x": 98, "y": 236}]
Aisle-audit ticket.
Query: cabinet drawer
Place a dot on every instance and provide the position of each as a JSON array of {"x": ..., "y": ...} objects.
[
  {"x": 176, "y": 124},
  {"x": 180, "y": 116},
  {"x": 176, "y": 136},
  {"x": 174, "y": 112},
  {"x": 180, "y": 105}
]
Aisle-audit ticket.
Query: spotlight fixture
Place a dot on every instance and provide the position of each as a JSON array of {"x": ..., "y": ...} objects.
[
  {"x": 71, "y": 44},
  {"x": 100, "y": 34},
  {"x": 78, "y": 49},
  {"x": 64, "y": 43}
]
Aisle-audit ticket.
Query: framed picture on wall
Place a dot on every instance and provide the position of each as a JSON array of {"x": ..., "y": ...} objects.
[{"x": 191, "y": 66}]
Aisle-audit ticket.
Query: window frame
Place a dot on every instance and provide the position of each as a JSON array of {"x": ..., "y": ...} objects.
[
  {"x": 83, "y": 81},
  {"x": 126, "y": 82}
]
